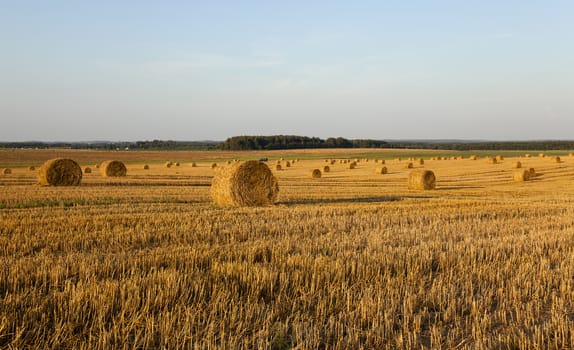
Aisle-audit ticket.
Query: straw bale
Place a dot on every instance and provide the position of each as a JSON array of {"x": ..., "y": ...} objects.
[
  {"x": 113, "y": 168},
  {"x": 421, "y": 180},
  {"x": 60, "y": 172},
  {"x": 249, "y": 183}
]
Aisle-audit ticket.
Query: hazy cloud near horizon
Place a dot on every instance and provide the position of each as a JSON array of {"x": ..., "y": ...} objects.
[{"x": 188, "y": 71}]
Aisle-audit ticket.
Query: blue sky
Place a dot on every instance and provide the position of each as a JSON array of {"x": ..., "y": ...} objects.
[{"x": 197, "y": 70}]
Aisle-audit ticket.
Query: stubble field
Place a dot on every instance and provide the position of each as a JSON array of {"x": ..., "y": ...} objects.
[{"x": 351, "y": 260}]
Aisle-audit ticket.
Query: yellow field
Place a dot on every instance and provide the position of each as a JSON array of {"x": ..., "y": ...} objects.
[{"x": 350, "y": 260}]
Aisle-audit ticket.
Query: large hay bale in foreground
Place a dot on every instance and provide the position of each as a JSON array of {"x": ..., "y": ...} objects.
[
  {"x": 249, "y": 183},
  {"x": 315, "y": 174},
  {"x": 60, "y": 172},
  {"x": 521, "y": 175},
  {"x": 6, "y": 171},
  {"x": 422, "y": 180},
  {"x": 113, "y": 168}
]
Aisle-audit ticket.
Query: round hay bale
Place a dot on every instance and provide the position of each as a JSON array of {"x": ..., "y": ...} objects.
[
  {"x": 557, "y": 159},
  {"x": 97, "y": 165},
  {"x": 249, "y": 183},
  {"x": 570, "y": 154},
  {"x": 287, "y": 164},
  {"x": 352, "y": 165},
  {"x": 444, "y": 158},
  {"x": 491, "y": 160},
  {"x": 383, "y": 161},
  {"x": 541, "y": 155},
  {"x": 326, "y": 169},
  {"x": 499, "y": 157},
  {"x": 213, "y": 165},
  {"x": 32, "y": 168},
  {"x": 421, "y": 162},
  {"x": 532, "y": 172},
  {"x": 6, "y": 171},
  {"x": 517, "y": 165},
  {"x": 168, "y": 164},
  {"x": 327, "y": 161},
  {"x": 177, "y": 164},
  {"x": 193, "y": 164},
  {"x": 333, "y": 162},
  {"x": 87, "y": 170},
  {"x": 278, "y": 167},
  {"x": 521, "y": 175},
  {"x": 315, "y": 174},
  {"x": 146, "y": 167},
  {"x": 409, "y": 165},
  {"x": 398, "y": 159},
  {"x": 382, "y": 170},
  {"x": 422, "y": 180},
  {"x": 113, "y": 168},
  {"x": 60, "y": 172},
  {"x": 527, "y": 155},
  {"x": 473, "y": 157}
]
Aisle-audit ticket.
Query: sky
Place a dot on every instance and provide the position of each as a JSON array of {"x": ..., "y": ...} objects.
[{"x": 208, "y": 70}]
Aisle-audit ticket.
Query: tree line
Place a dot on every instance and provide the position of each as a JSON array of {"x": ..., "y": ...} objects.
[{"x": 279, "y": 142}]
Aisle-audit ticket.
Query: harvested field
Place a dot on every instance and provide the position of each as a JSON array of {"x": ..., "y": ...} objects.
[{"x": 352, "y": 260}]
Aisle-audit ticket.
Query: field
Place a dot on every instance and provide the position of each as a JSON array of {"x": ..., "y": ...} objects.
[{"x": 351, "y": 260}]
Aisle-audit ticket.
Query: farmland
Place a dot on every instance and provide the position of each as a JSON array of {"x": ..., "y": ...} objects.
[{"x": 353, "y": 259}]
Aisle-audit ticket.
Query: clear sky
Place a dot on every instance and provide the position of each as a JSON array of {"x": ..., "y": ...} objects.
[{"x": 206, "y": 70}]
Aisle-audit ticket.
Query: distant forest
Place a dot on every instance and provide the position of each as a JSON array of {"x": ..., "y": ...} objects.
[{"x": 279, "y": 142}]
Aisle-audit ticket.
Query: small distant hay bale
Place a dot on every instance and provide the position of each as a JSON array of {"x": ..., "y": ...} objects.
[
  {"x": 278, "y": 161},
  {"x": 409, "y": 165},
  {"x": 383, "y": 161},
  {"x": 570, "y": 154},
  {"x": 521, "y": 175},
  {"x": 422, "y": 180},
  {"x": 381, "y": 170},
  {"x": 229, "y": 162},
  {"x": 168, "y": 164},
  {"x": 113, "y": 168},
  {"x": 193, "y": 164},
  {"x": 421, "y": 162},
  {"x": 398, "y": 159},
  {"x": 352, "y": 165},
  {"x": 6, "y": 171},
  {"x": 473, "y": 157},
  {"x": 532, "y": 172},
  {"x": 541, "y": 155},
  {"x": 146, "y": 167},
  {"x": 327, "y": 161},
  {"x": 32, "y": 168},
  {"x": 517, "y": 165},
  {"x": 333, "y": 162},
  {"x": 213, "y": 165},
  {"x": 315, "y": 174},
  {"x": 97, "y": 165},
  {"x": 326, "y": 169},
  {"x": 60, "y": 172},
  {"x": 278, "y": 167},
  {"x": 556, "y": 159},
  {"x": 499, "y": 158},
  {"x": 460, "y": 157},
  {"x": 177, "y": 164},
  {"x": 287, "y": 164},
  {"x": 87, "y": 170},
  {"x": 527, "y": 155},
  {"x": 249, "y": 183},
  {"x": 491, "y": 160}
]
